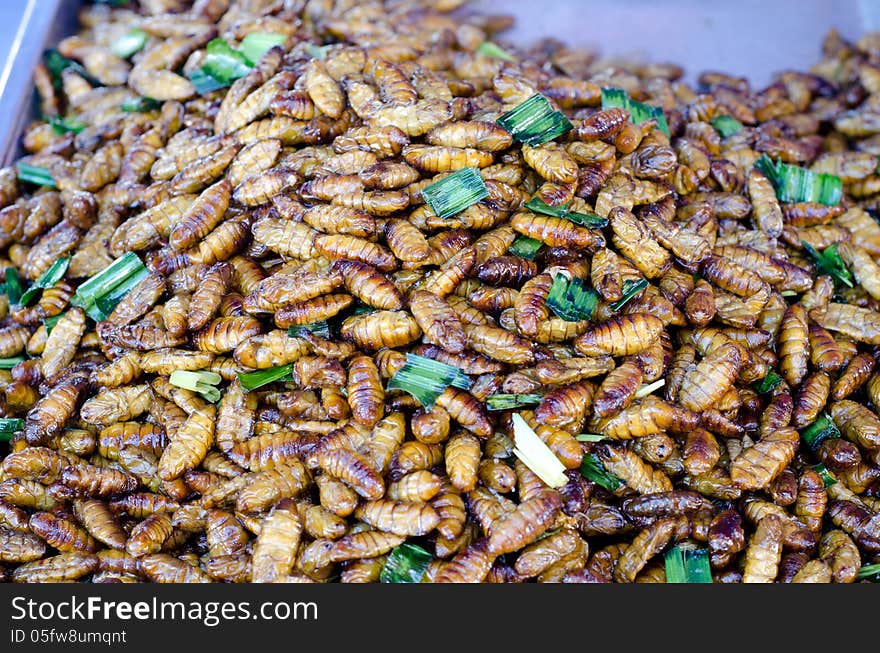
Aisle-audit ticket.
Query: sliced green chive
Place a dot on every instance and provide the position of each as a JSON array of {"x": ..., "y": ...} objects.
[
  {"x": 535, "y": 454},
  {"x": 10, "y": 425},
  {"x": 570, "y": 300},
  {"x": 525, "y": 247},
  {"x": 770, "y": 381},
  {"x": 255, "y": 45},
  {"x": 9, "y": 363},
  {"x": 616, "y": 98},
  {"x": 100, "y": 294},
  {"x": 139, "y": 105},
  {"x": 318, "y": 51},
  {"x": 14, "y": 288},
  {"x": 592, "y": 470},
  {"x": 318, "y": 328},
  {"x": 534, "y": 121},
  {"x": 35, "y": 175},
  {"x": 129, "y": 43},
  {"x": 687, "y": 565},
  {"x": 405, "y": 564},
  {"x": 509, "y": 401},
  {"x": 827, "y": 477},
  {"x": 489, "y": 49},
  {"x": 46, "y": 280},
  {"x": 50, "y": 322},
  {"x": 795, "y": 184},
  {"x": 590, "y": 437},
  {"x": 870, "y": 572},
  {"x": 822, "y": 429},
  {"x": 204, "y": 83},
  {"x": 201, "y": 382},
  {"x": 726, "y": 125},
  {"x": 630, "y": 289},
  {"x": 68, "y": 125},
  {"x": 645, "y": 390},
  {"x": 456, "y": 192},
  {"x": 584, "y": 219},
  {"x": 224, "y": 63},
  {"x": 829, "y": 262},
  {"x": 253, "y": 380},
  {"x": 56, "y": 64},
  {"x": 426, "y": 379}
]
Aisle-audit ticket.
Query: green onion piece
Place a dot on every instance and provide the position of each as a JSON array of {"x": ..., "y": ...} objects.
[
  {"x": 99, "y": 295},
  {"x": 536, "y": 455},
  {"x": 9, "y": 425},
  {"x": 14, "y": 289},
  {"x": 870, "y": 572},
  {"x": 584, "y": 219},
  {"x": 789, "y": 293},
  {"x": 829, "y": 262},
  {"x": 645, "y": 390},
  {"x": 456, "y": 192},
  {"x": 46, "y": 280},
  {"x": 50, "y": 322},
  {"x": 113, "y": 3},
  {"x": 318, "y": 51},
  {"x": 363, "y": 309},
  {"x": 139, "y": 105},
  {"x": 489, "y": 49},
  {"x": 613, "y": 98},
  {"x": 57, "y": 64},
  {"x": 129, "y": 43},
  {"x": 590, "y": 437},
  {"x": 827, "y": 477},
  {"x": 318, "y": 328},
  {"x": 570, "y": 300},
  {"x": 224, "y": 63},
  {"x": 534, "y": 121},
  {"x": 256, "y": 44},
  {"x": 687, "y": 565},
  {"x": 68, "y": 125},
  {"x": 405, "y": 564},
  {"x": 630, "y": 289},
  {"x": 253, "y": 380},
  {"x": 795, "y": 184},
  {"x": 426, "y": 379},
  {"x": 35, "y": 175},
  {"x": 509, "y": 401},
  {"x": 822, "y": 429},
  {"x": 201, "y": 382},
  {"x": 9, "y": 363},
  {"x": 593, "y": 470},
  {"x": 204, "y": 83},
  {"x": 726, "y": 125},
  {"x": 770, "y": 381},
  {"x": 525, "y": 247}
]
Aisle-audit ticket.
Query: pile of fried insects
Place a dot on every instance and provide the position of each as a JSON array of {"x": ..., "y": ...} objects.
[{"x": 312, "y": 291}]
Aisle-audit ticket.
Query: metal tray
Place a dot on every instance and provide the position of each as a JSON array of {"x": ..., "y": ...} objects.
[{"x": 752, "y": 38}]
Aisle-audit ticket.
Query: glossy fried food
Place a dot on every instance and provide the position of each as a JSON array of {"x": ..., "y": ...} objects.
[{"x": 720, "y": 394}]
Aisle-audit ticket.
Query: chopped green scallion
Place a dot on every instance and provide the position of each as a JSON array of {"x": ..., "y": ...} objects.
[
  {"x": 202, "y": 382},
  {"x": 687, "y": 565},
  {"x": 590, "y": 437},
  {"x": 14, "y": 289},
  {"x": 489, "y": 49},
  {"x": 829, "y": 262},
  {"x": 140, "y": 104},
  {"x": 253, "y": 380},
  {"x": 536, "y": 455},
  {"x": 613, "y": 98},
  {"x": 255, "y": 45},
  {"x": 10, "y": 425},
  {"x": 827, "y": 477},
  {"x": 99, "y": 294},
  {"x": 726, "y": 125},
  {"x": 56, "y": 64},
  {"x": 426, "y": 379},
  {"x": 35, "y": 175},
  {"x": 130, "y": 43},
  {"x": 822, "y": 429},
  {"x": 204, "y": 83},
  {"x": 456, "y": 192},
  {"x": 770, "y": 381},
  {"x": 630, "y": 289},
  {"x": 570, "y": 300},
  {"x": 318, "y": 328},
  {"x": 535, "y": 121},
  {"x": 510, "y": 401},
  {"x": 795, "y": 184},
  {"x": 68, "y": 125},
  {"x": 9, "y": 363},
  {"x": 405, "y": 564},
  {"x": 593, "y": 470},
  {"x": 50, "y": 322},
  {"x": 870, "y": 573},
  {"x": 46, "y": 280},
  {"x": 645, "y": 390},
  {"x": 525, "y": 247}
]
